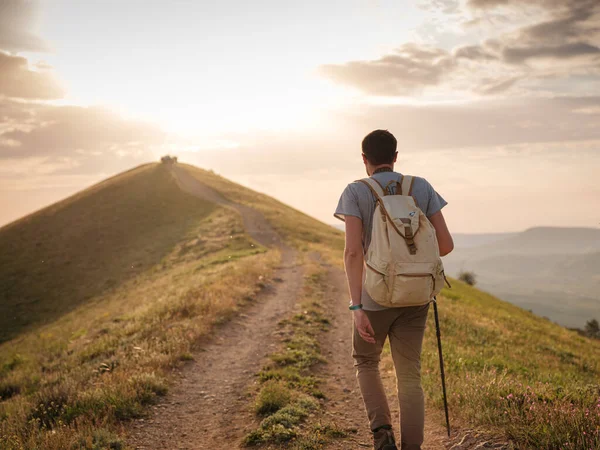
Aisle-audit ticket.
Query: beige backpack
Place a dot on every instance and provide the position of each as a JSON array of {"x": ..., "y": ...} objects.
[{"x": 403, "y": 261}]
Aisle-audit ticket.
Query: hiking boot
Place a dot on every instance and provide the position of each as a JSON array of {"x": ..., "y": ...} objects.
[{"x": 383, "y": 439}]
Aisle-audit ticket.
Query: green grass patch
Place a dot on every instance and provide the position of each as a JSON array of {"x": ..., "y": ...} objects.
[
  {"x": 273, "y": 396},
  {"x": 523, "y": 377},
  {"x": 289, "y": 394},
  {"x": 98, "y": 439}
]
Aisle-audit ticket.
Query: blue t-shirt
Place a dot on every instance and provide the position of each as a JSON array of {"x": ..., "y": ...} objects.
[{"x": 358, "y": 200}]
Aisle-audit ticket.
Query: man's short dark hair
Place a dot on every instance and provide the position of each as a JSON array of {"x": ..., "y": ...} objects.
[{"x": 379, "y": 147}]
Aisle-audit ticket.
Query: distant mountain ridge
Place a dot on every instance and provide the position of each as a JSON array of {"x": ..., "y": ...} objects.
[
  {"x": 550, "y": 240},
  {"x": 552, "y": 270}
]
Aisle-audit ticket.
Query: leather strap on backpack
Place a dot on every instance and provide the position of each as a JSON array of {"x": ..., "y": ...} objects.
[
  {"x": 378, "y": 192},
  {"x": 406, "y": 185},
  {"x": 409, "y": 238},
  {"x": 375, "y": 187}
]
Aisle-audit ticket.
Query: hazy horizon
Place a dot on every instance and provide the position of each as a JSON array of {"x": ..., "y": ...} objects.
[{"x": 495, "y": 102}]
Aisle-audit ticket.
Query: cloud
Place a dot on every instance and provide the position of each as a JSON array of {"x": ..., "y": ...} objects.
[
  {"x": 486, "y": 123},
  {"x": 475, "y": 53},
  {"x": 490, "y": 123},
  {"x": 575, "y": 21},
  {"x": 445, "y": 6},
  {"x": 17, "y": 18},
  {"x": 529, "y": 44},
  {"x": 410, "y": 68},
  {"x": 517, "y": 55},
  {"x": 496, "y": 86},
  {"x": 92, "y": 139},
  {"x": 17, "y": 80},
  {"x": 564, "y": 28}
]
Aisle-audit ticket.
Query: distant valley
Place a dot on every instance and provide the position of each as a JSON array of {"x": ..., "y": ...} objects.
[{"x": 554, "y": 272}]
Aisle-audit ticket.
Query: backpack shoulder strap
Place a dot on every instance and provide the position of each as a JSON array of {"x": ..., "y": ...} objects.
[
  {"x": 377, "y": 191},
  {"x": 406, "y": 185},
  {"x": 374, "y": 186}
]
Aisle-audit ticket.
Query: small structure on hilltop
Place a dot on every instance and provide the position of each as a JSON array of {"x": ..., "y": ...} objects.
[{"x": 168, "y": 159}]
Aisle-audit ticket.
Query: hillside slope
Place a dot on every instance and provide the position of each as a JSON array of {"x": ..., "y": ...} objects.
[
  {"x": 508, "y": 370},
  {"x": 65, "y": 254},
  {"x": 139, "y": 271},
  {"x": 102, "y": 342},
  {"x": 520, "y": 375}
]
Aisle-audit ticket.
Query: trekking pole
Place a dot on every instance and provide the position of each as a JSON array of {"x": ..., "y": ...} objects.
[{"x": 439, "y": 340}]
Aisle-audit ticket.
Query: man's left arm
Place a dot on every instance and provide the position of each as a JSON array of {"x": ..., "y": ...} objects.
[
  {"x": 444, "y": 238},
  {"x": 434, "y": 213}
]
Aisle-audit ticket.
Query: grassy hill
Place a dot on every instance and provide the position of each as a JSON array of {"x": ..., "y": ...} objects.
[
  {"x": 96, "y": 338},
  {"x": 102, "y": 295},
  {"x": 69, "y": 253},
  {"x": 513, "y": 372}
]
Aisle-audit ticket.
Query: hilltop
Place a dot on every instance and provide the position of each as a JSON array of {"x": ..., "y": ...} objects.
[{"x": 171, "y": 286}]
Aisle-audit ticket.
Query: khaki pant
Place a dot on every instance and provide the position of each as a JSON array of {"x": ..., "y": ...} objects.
[{"x": 405, "y": 328}]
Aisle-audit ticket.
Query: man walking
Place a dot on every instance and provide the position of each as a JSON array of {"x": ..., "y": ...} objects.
[{"x": 373, "y": 323}]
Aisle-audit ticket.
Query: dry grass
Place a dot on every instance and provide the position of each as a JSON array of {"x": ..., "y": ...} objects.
[
  {"x": 67, "y": 254},
  {"x": 70, "y": 381},
  {"x": 518, "y": 375},
  {"x": 497, "y": 354},
  {"x": 92, "y": 339},
  {"x": 299, "y": 229}
]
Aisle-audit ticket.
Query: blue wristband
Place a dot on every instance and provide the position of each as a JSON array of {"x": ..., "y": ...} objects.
[{"x": 355, "y": 307}]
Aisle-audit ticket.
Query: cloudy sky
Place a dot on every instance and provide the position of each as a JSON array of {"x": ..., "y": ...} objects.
[{"x": 496, "y": 102}]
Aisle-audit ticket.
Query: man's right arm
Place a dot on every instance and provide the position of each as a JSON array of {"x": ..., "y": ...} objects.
[
  {"x": 354, "y": 264},
  {"x": 444, "y": 238},
  {"x": 353, "y": 257}
]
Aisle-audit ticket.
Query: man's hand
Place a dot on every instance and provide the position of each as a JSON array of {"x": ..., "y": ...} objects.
[{"x": 363, "y": 325}]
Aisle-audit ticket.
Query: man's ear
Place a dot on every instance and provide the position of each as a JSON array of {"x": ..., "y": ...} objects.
[
  {"x": 364, "y": 158},
  {"x": 395, "y": 156}
]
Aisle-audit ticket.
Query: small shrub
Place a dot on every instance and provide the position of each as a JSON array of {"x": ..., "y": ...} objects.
[
  {"x": 592, "y": 328},
  {"x": 49, "y": 404},
  {"x": 273, "y": 396},
  {"x": 253, "y": 438},
  {"x": 280, "y": 434},
  {"x": 468, "y": 277},
  {"x": 8, "y": 389},
  {"x": 299, "y": 358},
  {"x": 148, "y": 386},
  {"x": 88, "y": 404},
  {"x": 10, "y": 364},
  {"x": 287, "y": 417},
  {"x": 186, "y": 356},
  {"x": 99, "y": 440},
  {"x": 124, "y": 407}
]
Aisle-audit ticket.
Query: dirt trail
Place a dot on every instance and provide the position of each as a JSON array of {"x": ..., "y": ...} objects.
[
  {"x": 207, "y": 409},
  {"x": 254, "y": 222}
]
